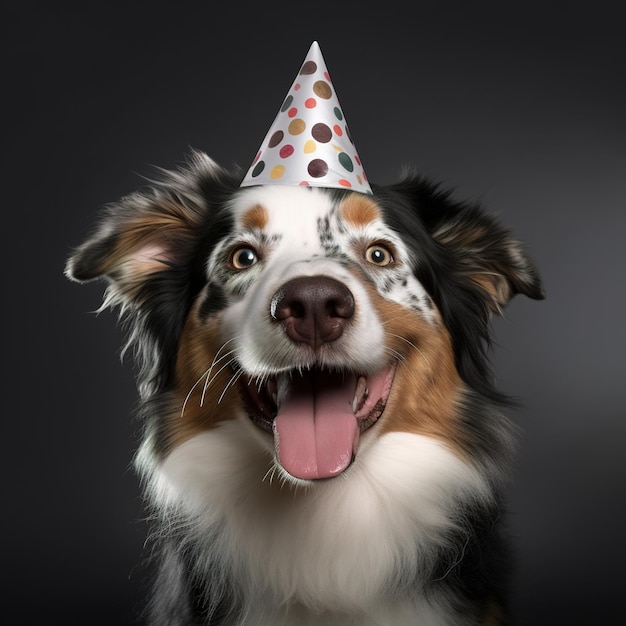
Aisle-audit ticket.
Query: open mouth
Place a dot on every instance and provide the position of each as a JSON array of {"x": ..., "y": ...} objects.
[{"x": 316, "y": 416}]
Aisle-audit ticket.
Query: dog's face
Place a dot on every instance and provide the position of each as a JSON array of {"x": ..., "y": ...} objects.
[
  {"x": 320, "y": 309},
  {"x": 320, "y": 319}
]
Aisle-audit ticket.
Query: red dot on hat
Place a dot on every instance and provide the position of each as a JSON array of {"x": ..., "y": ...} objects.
[
  {"x": 344, "y": 183},
  {"x": 286, "y": 151},
  {"x": 338, "y": 130},
  {"x": 310, "y": 103},
  {"x": 292, "y": 112}
]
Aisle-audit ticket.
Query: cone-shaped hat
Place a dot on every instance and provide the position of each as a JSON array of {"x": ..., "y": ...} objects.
[{"x": 309, "y": 142}]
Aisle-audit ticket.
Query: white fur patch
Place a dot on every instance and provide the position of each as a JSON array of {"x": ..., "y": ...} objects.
[
  {"x": 337, "y": 547},
  {"x": 305, "y": 236}
]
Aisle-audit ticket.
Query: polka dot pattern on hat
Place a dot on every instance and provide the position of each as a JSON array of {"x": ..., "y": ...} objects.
[{"x": 309, "y": 142}]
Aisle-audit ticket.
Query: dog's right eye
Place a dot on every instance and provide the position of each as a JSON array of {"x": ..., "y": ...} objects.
[{"x": 242, "y": 258}]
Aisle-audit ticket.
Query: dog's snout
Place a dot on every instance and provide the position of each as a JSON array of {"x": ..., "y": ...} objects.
[{"x": 313, "y": 309}]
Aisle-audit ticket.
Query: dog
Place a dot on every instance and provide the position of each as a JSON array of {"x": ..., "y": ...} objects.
[{"x": 323, "y": 443}]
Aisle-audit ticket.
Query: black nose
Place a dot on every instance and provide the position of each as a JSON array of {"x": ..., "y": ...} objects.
[{"x": 313, "y": 309}]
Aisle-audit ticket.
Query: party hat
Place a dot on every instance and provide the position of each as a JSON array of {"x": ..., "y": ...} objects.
[{"x": 309, "y": 142}]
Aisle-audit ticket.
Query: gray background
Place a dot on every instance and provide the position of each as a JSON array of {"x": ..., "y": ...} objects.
[{"x": 519, "y": 105}]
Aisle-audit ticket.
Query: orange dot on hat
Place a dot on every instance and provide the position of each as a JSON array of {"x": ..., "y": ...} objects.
[{"x": 310, "y": 103}]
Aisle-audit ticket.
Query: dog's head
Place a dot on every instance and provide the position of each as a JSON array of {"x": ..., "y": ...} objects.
[{"x": 322, "y": 318}]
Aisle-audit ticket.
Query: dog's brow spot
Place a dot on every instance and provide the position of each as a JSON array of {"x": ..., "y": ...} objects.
[
  {"x": 359, "y": 211},
  {"x": 255, "y": 218}
]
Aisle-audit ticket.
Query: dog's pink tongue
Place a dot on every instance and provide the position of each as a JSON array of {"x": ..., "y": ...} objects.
[{"x": 315, "y": 431}]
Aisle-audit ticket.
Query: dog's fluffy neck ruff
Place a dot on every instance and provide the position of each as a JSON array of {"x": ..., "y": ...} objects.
[{"x": 279, "y": 541}]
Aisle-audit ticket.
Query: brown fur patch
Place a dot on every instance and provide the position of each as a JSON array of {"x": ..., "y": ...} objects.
[
  {"x": 139, "y": 246},
  {"x": 426, "y": 387},
  {"x": 255, "y": 218},
  {"x": 496, "y": 289},
  {"x": 202, "y": 376},
  {"x": 359, "y": 210}
]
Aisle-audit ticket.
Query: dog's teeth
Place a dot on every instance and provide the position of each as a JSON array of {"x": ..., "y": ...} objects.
[{"x": 360, "y": 393}]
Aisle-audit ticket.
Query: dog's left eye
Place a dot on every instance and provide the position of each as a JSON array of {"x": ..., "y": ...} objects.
[
  {"x": 243, "y": 258},
  {"x": 378, "y": 254}
]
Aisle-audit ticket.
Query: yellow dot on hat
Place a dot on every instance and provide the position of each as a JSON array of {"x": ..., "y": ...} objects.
[
  {"x": 296, "y": 127},
  {"x": 309, "y": 146},
  {"x": 277, "y": 171}
]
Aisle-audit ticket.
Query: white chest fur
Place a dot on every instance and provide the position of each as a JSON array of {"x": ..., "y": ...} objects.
[{"x": 338, "y": 547}]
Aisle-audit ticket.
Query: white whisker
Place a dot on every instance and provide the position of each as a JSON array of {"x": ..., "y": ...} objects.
[
  {"x": 233, "y": 379},
  {"x": 221, "y": 369},
  {"x": 206, "y": 374}
]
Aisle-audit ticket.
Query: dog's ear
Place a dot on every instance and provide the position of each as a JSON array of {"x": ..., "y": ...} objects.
[
  {"x": 489, "y": 256},
  {"x": 152, "y": 232},
  {"x": 475, "y": 249}
]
